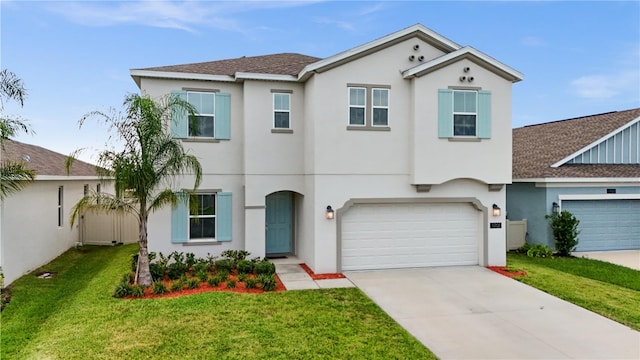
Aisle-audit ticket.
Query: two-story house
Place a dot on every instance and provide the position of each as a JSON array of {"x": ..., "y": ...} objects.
[{"x": 392, "y": 154}]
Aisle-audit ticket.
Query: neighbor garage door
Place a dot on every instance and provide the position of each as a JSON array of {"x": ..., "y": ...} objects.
[
  {"x": 606, "y": 224},
  {"x": 410, "y": 235}
]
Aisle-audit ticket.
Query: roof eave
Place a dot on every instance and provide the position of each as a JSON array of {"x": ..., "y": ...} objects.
[
  {"x": 267, "y": 77},
  {"x": 425, "y": 34},
  {"x": 578, "y": 180},
  {"x": 470, "y": 53},
  {"x": 138, "y": 74}
]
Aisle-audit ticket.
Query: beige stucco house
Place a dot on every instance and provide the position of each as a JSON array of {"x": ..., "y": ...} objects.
[{"x": 392, "y": 154}]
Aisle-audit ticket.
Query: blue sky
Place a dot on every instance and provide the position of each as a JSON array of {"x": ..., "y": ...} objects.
[{"x": 578, "y": 58}]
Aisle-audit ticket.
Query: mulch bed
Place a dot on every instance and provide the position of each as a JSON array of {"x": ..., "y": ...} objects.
[
  {"x": 327, "y": 276},
  {"x": 205, "y": 287},
  {"x": 503, "y": 270}
]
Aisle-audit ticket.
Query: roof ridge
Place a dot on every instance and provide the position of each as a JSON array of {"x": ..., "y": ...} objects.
[{"x": 580, "y": 117}]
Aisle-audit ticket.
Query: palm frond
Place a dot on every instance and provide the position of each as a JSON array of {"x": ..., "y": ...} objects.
[
  {"x": 103, "y": 202},
  {"x": 11, "y": 87},
  {"x": 14, "y": 177}
]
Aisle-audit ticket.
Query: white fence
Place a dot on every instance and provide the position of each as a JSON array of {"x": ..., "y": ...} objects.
[
  {"x": 97, "y": 228},
  {"x": 516, "y": 234}
]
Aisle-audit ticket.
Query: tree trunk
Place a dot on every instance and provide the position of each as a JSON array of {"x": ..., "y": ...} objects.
[{"x": 144, "y": 275}]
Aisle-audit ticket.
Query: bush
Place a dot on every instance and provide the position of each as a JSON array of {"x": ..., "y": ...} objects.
[
  {"x": 251, "y": 283},
  {"x": 265, "y": 267},
  {"x": 224, "y": 265},
  {"x": 123, "y": 289},
  {"x": 223, "y": 275},
  {"x": 231, "y": 284},
  {"x": 177, "y": 286},
  {"x": 159, "y": 288},
  {"x": 214, "y": 281},
  {"x": 193, "y": 283},
  {"x": 242, "y": 277},
  {"x": 565, "y": 231},
  {"x": 245, "y": 266},
  {"x": 157, "y": 271},
  {"x": 235, "y": 255},
  {"x": 268, "y": 282},
  {"x": 202, "y": 275},
  {"x": 176, "y": 270},
  {"x": 137, "y": 290},
  {"x": 539, "y": 250}
]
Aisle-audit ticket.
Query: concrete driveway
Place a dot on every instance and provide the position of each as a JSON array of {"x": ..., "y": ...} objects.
[
  {"x": 474, "y": 313},
  {"x": 628, "y": 258}
]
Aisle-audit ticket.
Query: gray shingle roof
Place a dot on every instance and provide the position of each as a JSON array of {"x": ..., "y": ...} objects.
[
  {"x": 44, "y": 161},
  {"x": 277, "y": 64},
  {"x": 537, "y": 147}
]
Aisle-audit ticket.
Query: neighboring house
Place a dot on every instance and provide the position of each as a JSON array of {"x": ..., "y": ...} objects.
[
  {"x": 392, "y": 154},
  {"x": 34, "y": 222},
  {"x": 589, "y": 166}
]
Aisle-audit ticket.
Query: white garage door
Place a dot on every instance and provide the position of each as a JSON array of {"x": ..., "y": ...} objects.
[{"x": 410, "y": 235}]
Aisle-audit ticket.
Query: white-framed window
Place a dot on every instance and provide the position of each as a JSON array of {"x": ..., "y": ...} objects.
[
  {"x": 60, "y": 206},
  {"x": 281, "y": 110},
  {"x": 202, "y": 123},
  {"x": 380, "y": 107},
  {"x": 357, "y": 106},
  {"x": 202, "y": 219},
  {"x": 465, "y": 112}
]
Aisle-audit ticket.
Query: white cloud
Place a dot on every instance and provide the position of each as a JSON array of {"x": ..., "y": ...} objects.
[
  {"x": 533, "y": 41},
  {"x": 605, "y": 86},
  {"x": 341, "y": 24}
]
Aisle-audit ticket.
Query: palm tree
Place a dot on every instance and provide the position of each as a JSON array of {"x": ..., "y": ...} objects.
[
  {"x": 144, "y": 170},
  {"x": 14, "y": 176}
]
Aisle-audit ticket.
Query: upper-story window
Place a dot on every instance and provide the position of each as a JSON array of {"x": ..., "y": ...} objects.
[
  {"x": 281, "y": 110},
  {"x": 465, "y": 105},
  {"x": 202, "y": 123},
  {"x": 368, "y": 107}
]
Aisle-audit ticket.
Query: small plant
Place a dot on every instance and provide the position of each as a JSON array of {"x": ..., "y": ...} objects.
[
  {"x": 231, "y": 284},
  {"x": 200, "y": 266},
  {"x": 251, "y": 283},
  {"x": 214, "y": 281},
  {"x": 177, "y": 285},
  {"x": 268, "y": 282},
  {"x": 223, "y": 275},
  {"x": 193, "y": 283},
  {"x": 123, "y": 289},
  {"x": 176, "y": 270},
  {"x": 203, "y": 275},
  {"x": 159, "y": 288},
  {"x": 539, "y": 250},
  {"x": 157, "y": 271},
  {"x": 224, "y": 265},
  {"x": 137, "y": 290},
  {"x": 565, "y": 231},
  {"x": 190, "y": 259},
  {"x": 242, "y": 277},
  {"x": 235, "y": 255},
  {"x": 245, "y": 266},
  {"x": 265, "y": 267}
]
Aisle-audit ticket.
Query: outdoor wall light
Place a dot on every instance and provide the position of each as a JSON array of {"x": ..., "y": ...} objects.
[
  {"x": 555, "y": 207},
  {"x": 330, "y": 213},
  {"x": 496, "y": 210}
]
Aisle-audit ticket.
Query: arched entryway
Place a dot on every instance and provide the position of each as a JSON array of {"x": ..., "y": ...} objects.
[{"x": 279, "y": 223}]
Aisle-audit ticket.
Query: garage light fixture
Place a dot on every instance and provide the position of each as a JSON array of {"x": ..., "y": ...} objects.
[
  {"x": 555, "y": 207},
  {"x": 330, "y": 213},
  {"x": 496, "y": 210}
]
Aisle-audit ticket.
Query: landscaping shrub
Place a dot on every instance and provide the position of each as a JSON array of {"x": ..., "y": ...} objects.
[
  {"x": 223, "y": 275},
  {"x": 242, "y": 277},
  {"x": 123, "y": 289},
  {"x": 235, "y": 255},
  {"x": 190, "y": 259},
  {"x": 157, "y": 271},
  {"x": 177, "y": 285},
  {"x": 193, "y": 283},
  {"x": 176, "y": 269},
  {"x": 265, "y": 267},
  {"x": 202, "y": 275},
  {"x": 137, "y": 290},
  {"x": 565, "y": 231},
  {"x": 245, "y": 266},
  {"x": 231, "y": 284},
  {"x": 251, "y": 283},
  {"x": 214, "y": 281},
  {"x": 159, "y": 288},
  {"x": 268, "y": 282},
  {"x": 539, "y": 250},
  {"x": 224, "y": 265}
]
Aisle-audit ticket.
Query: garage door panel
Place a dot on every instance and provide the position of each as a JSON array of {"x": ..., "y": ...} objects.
[
  {"x": 409, "y": 235},
  {"x": 606, "y": 224}
]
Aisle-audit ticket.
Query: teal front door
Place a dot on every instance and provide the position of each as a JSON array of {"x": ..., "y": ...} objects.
[{"x": 279, "y": 223}]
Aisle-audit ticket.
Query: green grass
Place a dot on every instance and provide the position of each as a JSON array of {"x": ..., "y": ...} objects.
[
  {"x": 73, "y": 316},
  {"x": 607, "y": 289}
]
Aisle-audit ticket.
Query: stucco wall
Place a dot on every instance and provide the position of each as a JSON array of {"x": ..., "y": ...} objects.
[{"x": 30, "y": 235}]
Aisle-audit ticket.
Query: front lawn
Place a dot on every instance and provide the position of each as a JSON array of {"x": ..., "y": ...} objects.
[
  {"x": 74, "y": 316},
  {"x": 607, "y": 289}
]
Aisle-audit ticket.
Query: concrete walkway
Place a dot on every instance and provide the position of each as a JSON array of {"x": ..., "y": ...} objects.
[
  {"x": 474, "y": 313},
  {"x": 628, "y": 258},
  {"x": 295, "y": 277}
]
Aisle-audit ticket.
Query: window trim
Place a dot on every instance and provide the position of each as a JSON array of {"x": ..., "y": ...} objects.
[
  {"x": 368, "y": 107},
  {"x": 212, "y": 115},
  {"x": 274, "y": 110},
  {"x": 215, "y": 217}
]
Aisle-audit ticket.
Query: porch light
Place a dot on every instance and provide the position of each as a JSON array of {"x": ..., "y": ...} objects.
[
  {"x": 555, "y": 207},
  {"x": 330, "y": 213},
  {"x": 496, "y": 210}
]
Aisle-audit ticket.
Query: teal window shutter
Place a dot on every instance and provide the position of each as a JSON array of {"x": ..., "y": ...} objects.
[
  {"x": 484, "y": 114},
  {"x": 224, "y": 216},
  {"x": 180, "y": 219},
  {"x": 445, "y": 113},
  {"x": 223, "y": 116},
  {"x": 179, "y": 123}
]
